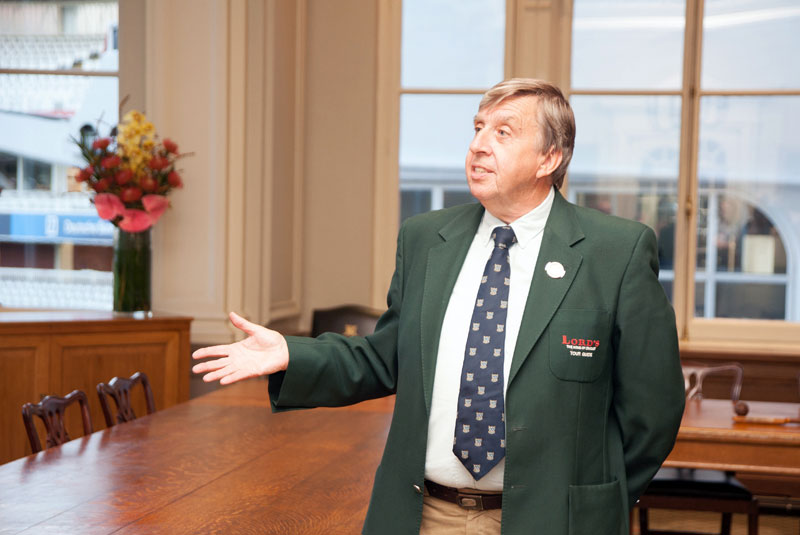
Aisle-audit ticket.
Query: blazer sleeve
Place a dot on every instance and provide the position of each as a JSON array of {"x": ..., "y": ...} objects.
[
  {"x": 335, "y": 370},
  {"x": 648, "y": 390}
]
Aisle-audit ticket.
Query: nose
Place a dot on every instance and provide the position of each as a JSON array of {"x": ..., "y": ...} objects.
[{"x": 480, "y": 142}]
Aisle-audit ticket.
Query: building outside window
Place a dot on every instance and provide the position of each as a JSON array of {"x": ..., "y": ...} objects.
[{"x": 58, "y": 72}]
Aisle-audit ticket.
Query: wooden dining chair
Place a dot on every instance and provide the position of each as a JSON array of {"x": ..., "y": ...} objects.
[
  {"x": 119, "y": 389},
  {"x": 349, "y": 320},
  {"x": 51, "y": 411},
  {"x": 686, "y": 489}
]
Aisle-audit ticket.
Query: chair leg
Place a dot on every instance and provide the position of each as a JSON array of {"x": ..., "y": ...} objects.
[
  {"x": 752, "y": 524},
  {"x": 726, "y": 524},
  {"x": 643, "y": 527}
]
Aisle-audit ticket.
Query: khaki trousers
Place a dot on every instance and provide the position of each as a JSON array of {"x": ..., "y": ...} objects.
[{"x": 440, "y": 517}]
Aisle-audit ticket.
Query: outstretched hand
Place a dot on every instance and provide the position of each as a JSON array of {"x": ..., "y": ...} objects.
[{"x": 263, "y": 352}]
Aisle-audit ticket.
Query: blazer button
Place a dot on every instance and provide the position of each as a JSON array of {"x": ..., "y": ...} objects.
[{"x": 417, "y": 489}]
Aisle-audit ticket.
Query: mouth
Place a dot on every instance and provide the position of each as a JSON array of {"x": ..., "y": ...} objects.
[{"x": 479, "y": 171}]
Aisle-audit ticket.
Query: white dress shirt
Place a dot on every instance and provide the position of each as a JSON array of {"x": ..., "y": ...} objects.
[{"x": 441, "y": 464}]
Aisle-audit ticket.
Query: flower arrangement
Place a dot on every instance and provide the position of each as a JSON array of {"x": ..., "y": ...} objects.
[{"x": 131, "y": 172}]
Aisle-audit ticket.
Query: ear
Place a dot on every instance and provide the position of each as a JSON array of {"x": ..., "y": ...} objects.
[{"x": 550, "y": 162}]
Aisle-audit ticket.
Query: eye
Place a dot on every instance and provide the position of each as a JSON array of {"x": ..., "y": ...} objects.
[
  {"x": 503, "y": 133},
  {"x": 477, "y": 129}
]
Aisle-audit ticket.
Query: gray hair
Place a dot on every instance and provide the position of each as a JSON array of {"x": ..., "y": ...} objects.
[{"x": 556, "y": 120}]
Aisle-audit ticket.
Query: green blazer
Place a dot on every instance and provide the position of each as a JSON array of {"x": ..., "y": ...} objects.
[{"x": 585, "y": 429}]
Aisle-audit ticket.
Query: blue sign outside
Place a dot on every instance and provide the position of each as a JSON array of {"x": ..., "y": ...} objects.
[{"x": 56, "y": 228}]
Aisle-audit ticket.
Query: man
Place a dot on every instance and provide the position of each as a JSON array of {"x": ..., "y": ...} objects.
[{"x": 537, "y": 391}]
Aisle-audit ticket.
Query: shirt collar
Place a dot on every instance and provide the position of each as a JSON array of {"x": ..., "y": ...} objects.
[{"x": 525, "y": 228}]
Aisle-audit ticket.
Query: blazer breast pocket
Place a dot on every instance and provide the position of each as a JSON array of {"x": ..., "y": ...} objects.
[{"x": 579, "y": 344}]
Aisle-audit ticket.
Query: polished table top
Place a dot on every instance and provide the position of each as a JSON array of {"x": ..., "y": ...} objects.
[
  {"x": 709, "y": 438},
  {"x": 221, "y": 463}
]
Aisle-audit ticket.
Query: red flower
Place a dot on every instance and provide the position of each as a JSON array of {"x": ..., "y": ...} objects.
[
  {"x": 85, "y": 174},
  {"x": 131, "y": 194},
  {"x": 101, "y": 143},
  {"x": 124, "y": 176},
  {"x": 155, "y": 205},
  {"x": 158, "y": 163},
  {"x": 108, "y": 206},
  {"x": 111, "y": 161},
  {"x": 170, "y": 146},
  {"x": 148, "y": 183},
  {"x": 135, "y": 221},
  {"x": 174, "y": 180},
  {"x": 102, "y": 185}
]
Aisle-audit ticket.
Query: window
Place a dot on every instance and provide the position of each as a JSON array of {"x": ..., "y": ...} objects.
[
  {"x": 446, "y": 67},
  {"x": 705, "y": 131},
  {"x": 685, "y": 113},
  {"x": 58, "y": 72}
]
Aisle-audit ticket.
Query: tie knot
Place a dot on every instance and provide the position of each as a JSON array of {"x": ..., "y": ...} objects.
[{"x": 504, "y": 237}]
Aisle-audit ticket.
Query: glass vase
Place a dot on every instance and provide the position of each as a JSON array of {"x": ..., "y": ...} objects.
[{"x": 132, "y": 271}]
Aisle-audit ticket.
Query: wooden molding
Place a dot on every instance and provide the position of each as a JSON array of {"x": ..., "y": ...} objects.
[{"x": 386, "y": 212}]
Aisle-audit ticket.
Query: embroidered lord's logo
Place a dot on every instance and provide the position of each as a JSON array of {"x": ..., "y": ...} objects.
[{"x": 580, "y": 347}]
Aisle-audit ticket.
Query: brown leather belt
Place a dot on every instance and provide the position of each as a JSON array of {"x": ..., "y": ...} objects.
[{"x": 474, "y": 500}]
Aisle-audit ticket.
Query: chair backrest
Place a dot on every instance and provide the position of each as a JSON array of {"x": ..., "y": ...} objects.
[
  {"x": 349, "y": 320},
  {"x": 51, "y": 411},
  {"x": 694, "y": 374},
  {"x": 119, "y": 389}
]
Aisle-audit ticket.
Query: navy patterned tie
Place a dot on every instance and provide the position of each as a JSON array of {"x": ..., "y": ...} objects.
[{"x": 480, "y": 425}]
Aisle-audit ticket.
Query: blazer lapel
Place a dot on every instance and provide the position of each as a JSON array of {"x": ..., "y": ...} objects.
[
  {"x": 561, "y": 232},
  {"x": 444, "y": 264}
]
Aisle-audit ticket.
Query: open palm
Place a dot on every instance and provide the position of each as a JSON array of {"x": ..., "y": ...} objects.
[{"x": 263, "y": 352}]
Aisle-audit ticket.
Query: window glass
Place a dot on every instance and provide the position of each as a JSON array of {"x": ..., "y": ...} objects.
[
  {"x": 36, "y": 174},
  {"x": 8, "y": 171},
  {"x": 749, "y": 175},
  {"x": 54, "y": 250},
  {"x": 626, "y": 163},
  {"x": 453, "y": 43},
  {"x": 414, "y": 201},
  {"x": 627, "y": 44},
  {"x": 454, "y": 197},
  {"x": 751, "y": 44},
  {"x": 55, "y": 35},
  {"x": 435, "y": 133}
]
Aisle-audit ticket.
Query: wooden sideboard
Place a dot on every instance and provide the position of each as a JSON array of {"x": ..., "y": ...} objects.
[{"x": 56, "y": 352}]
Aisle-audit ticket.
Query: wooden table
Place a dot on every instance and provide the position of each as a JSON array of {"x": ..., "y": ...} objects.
[
  {"x": 708, "y": 438},
  {"x": 221, "y": 463}
]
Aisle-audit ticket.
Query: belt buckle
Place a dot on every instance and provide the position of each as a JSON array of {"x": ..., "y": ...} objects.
[{"x": 472, "y": 502}]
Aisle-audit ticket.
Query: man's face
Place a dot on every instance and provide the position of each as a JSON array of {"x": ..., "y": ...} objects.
[{"x": 506, "y": 171}]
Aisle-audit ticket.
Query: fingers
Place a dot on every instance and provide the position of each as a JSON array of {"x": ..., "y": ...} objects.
[
  {"x": 243, "y": 324},
  {"x": 210, "y": 365},
  {"x": 218, "y": 374},
  {"x": 213, "y": 351},
  {"x": 238, "y": 375}
]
